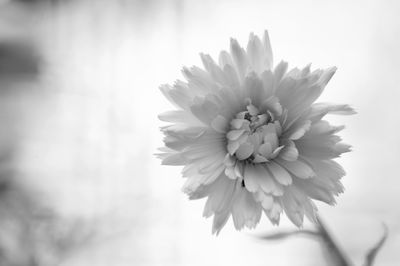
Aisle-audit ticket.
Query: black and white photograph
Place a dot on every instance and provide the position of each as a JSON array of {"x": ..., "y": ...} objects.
[{"x": 199, "y": 133}]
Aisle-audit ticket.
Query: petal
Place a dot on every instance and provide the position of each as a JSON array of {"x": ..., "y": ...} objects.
[
  {"x": 220, "y": 196},
  {"x": 289, "y": 152},
  {"x": 244, "y": 151},
  {"x": 259, "y": 159},
  {"x": 267, "y": 182},
  {"x": 322, "y": 127},
  {"x": 297, "y": 168},
  {"x": 276, "y": 152},
  {"x": 280, "y": 71},
  {"x": 251, "y": 177},
  {"x": 225, "y": 59},
  {"x": 245, "y": 210},
  {"x": 293, "y": 210},
  {"x": 220, "y": 124},
  {"x": 274, "y": 213},
  {"x": 255, "y": 53},
  {"x": 298, "y": 129},
  {"x": 229, "y": 160},
  {"x": 319, "y": 110},
  {"x": 279, "y": 173},
  {"x": 205, "y": 110},
  {"x": 179, "y": 116},
  {"x": 265, "y": 149},
  {"x": 318, "y": 193},
  {"x": 230, "y": 172},
  {"x": 173, "y": 159},
  {"x": 234, "y": 134},
  {"x": 239, "y": 58},
  {"x": 219, "y": 221},
  {"x": 213, "y": 69},
  {"x": 238, "y": 123},
  {"x": 232, "y": 147},
  {"x": 272, "y": 104},
  {"x": 179, "y": 95},
  {"x": 268, "y": 81},
  {"x": 268, "y": 61},
  {"x": 252, "y": 110}
]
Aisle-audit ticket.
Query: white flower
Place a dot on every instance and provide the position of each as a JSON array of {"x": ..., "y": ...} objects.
[{"x": 251, "y": 139}]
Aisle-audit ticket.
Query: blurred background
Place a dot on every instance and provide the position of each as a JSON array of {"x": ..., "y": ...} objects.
[{"x": 79, "y": 98}]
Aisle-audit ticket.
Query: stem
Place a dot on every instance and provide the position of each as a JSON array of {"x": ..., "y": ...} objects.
[{"x": 335, "y": 253}]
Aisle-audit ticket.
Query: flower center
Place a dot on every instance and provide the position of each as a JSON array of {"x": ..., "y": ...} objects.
[{"x": 253, "y": 136}]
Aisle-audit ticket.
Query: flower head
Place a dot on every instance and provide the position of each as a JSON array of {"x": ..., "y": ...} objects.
[{"x": 251, "y": 139}]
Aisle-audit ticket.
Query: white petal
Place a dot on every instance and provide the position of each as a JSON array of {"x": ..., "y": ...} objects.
[
  {"x": 289, "y": 152},
  {"x": 210, "y": 178},
  {"x": 268, "y": 61},
  {"x": 252, "y": 109},
  {"x": 179, "y": 95},
  {"x": 232, "y": 147},
  {"x": 272, "y": 104},
  {"x": 215, "y": 71},
  {"x": 268, "y": 81},
  {"x": 219, "y": 221},
  {"x": 265, "y": 149},
  {"x": 230, "y": 172},
  {"x": 274, "y": 213},
  {"x": 220, "y": 124},
  {"x": 239, "y": 58},
  {"x": 276, "y": 152},
  {"x": 225, "y": 59},
  {"x": 251, "y": 177},
  {"x": 245, "y": 210},
  {"x": 272, "y": 139},
  {"x": 319, "y": 110},
  {"x": 244, "y": 151},
  {"x": 255, "y": 53},
  {"x": 239, "y": 170},
  {"x": 229, "y": 160},
  {"x": 267, "y": 202},
  {"x": 280, "y": 70},
  {"x": 179, "y": 116},
  {"x": 259, "y": 159},
  {"x": 237, "y": 123},
  {"x": 174, "y": 159},
  {"x": 234, "y": 134},
  {"x": 327, "y": 75},
  {"x": 267, "y": 182},
  {"x": 279, "y": 173},
  {"x": 298, "y": 168},
  {"x": 298, "y": 130}
]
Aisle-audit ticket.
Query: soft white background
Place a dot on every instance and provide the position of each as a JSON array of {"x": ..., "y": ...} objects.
[{"x": 89, "y": 141}]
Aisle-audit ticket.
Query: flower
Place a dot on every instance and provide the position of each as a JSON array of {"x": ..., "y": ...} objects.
[{"x": 251, "y": 139}]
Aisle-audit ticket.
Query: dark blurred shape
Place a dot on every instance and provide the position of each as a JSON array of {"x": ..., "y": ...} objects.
[
  {"x": 18, "y": 60},
  {"x": 370, "y": 257}
]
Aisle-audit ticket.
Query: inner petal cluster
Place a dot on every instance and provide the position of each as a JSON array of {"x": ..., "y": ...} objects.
[{"x": 254, "y": 136}]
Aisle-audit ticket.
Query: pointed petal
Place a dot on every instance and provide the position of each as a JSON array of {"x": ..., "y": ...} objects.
[
  {"x": 239, "y": 58},
  {"x": 268, "y": 61}
]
